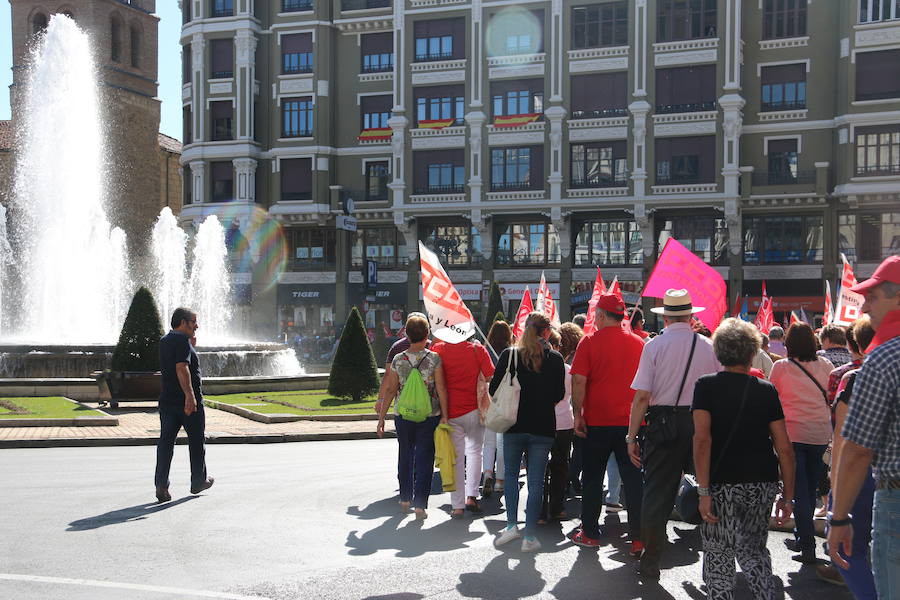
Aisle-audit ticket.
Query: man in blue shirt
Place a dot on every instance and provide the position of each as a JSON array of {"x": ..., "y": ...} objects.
[{"x": 180, "y": 404}]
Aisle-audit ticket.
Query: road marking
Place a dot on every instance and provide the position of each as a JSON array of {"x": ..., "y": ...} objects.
[{"x": 127, "y": 586}]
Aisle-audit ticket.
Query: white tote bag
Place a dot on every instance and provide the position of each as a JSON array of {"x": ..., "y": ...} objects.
[{"x": 504, "y": 409}]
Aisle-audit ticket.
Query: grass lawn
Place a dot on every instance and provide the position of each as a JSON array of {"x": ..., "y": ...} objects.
[
  {"x": 51, "y": 407},
  {"x": 306, "y": 402}
]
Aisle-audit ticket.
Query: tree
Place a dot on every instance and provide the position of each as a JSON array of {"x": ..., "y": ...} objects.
[
  {"x": 500, "y": 317},
  {"x": 354, "y": 373},
  {"x": 494, "y": 306},
  {"x": 138, "y": 346}
]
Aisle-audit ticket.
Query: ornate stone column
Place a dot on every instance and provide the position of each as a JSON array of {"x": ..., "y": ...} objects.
[
  {"x": 398, "y": 186},
  {"x": 410, "y": 231},
  {"x": 732, "y": 120},
  {"x": 639, "y": 110},
  {"x": 198, "y": 183},
  {"x": 561, "y": 221},
  {"x": 198, "y": 88},
  {"x": 555, "y": 115},
  {"x": 245, "y": 174},
  {"x": 476, "y": 120},
  {"x": 245, "y": 82}
]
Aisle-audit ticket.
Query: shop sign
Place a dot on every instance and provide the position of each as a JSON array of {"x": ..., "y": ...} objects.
[
  {"x": 302, "y": 294},
  {"x": 514, "y": 291}
]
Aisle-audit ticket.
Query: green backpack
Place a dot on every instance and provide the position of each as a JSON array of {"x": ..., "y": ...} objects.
[{"x": 414, "y": 403}]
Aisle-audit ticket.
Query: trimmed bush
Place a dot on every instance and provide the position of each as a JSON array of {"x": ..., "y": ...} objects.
[
  {"x": 494, "y": 306},
  {"x": 354, "y": 373},
  {"x": 500, "y": 317},
  {"x": 138, "y": 347}
]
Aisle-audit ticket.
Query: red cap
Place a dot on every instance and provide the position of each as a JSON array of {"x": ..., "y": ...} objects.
[
  {"x": 611, "y": 303},
  {"x": 888, "y": 270}
]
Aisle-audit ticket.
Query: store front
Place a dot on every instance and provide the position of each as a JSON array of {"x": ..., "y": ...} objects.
[
  {"x": 306, "y": 309},
  {"x": 382, "y": 306}
]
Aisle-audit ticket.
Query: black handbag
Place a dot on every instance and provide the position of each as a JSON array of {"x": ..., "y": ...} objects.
[{"x": 662, "y": 423}]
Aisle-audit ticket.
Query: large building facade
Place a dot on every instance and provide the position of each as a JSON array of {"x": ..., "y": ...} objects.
[{"x": 529, "y": 136}]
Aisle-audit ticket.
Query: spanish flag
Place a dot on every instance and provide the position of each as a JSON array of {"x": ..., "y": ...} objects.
[
  {"x": 436, "y": 123},
  {"x": 515, "y": 120},
  {"x": 381, "y": 133}
]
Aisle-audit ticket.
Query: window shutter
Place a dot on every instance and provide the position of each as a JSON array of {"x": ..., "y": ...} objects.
[
  {"x": 222, "y": 55},
  {"x": 378, "y": 43},
  {"x": 222, "y": 171},
  {"x": 536, "y": 170},
  {"x": 782, "y": 146},
  {"x": 375, "y": 104},
  {"x": 440, "y": 91},
  {"x": 296, "y": 175},
  {"x": 296, "y": 43},
  {"x": 878, "y": 75},
  {"x": 783, "y": 74}
]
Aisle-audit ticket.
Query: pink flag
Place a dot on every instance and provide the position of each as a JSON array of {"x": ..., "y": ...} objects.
[
  {"x": 450, "y": 318},
  {"x": 599, "y": 288},
  {"x": 525, "y": 308},
  {"x": 678, "y": 268}
]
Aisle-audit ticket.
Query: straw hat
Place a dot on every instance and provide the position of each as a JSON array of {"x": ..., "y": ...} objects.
[{"x": 677, "y": 303}]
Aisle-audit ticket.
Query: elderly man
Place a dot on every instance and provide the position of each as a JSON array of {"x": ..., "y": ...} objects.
[
  {"x": 664, "y": 389},
  {"x": 834, "y": 345},
  {"x": 872, "y": 435},
  {"x": 776, "y": 342}
]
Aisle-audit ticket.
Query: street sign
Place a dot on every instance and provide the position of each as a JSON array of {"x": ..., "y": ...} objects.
[
  {"x": 349, "y": 205},
  {"x": 371, "y": 273},
  {"x": 346, "y": 223}
]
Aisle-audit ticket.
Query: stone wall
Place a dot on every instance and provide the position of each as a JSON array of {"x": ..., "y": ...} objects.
[{"x": 170, "y": 181}]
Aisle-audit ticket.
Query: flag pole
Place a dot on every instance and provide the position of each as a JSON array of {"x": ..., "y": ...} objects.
[{"x": 486, "y": 343}]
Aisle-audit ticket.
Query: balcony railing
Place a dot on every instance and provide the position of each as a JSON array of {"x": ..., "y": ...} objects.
[
  {"x": 378, "y": 67},
  {"x": 665, "y": 109},
  {"x": 365, "y": 195},
  {"x": 295, "y": 5},
  {"x": 578, "y": 184},
  {"x": 434, "y": 56},
  {"x": 783, "y": 177},
  {"x": 298, "y": 133},
  {"x": 364, "y": 4},
  {"x": 295, "y": 196},
  {"x": 447, "y": 188},
  {"x": 671, "y": 180},
  {"x": 511, "y": 186},
  {"x": 222, "y": 74},
  {"x": 604, "y": 113},
  {"x": 877, "y": 170},
  {"x": 785, "y": 105},
  {"x": 222, "y": 12},
  {"x": 291, "y": 69}
]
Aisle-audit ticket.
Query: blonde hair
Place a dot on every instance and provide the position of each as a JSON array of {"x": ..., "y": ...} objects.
[
  {"x": 529, "y": 345},
  {"x": 571, "y": 334},
  {"x": 555, "y": 339}
]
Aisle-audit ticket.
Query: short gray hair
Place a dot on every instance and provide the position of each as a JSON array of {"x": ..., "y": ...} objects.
[
  {"x": 776, "y": 333},
  {"x": 736, "y": 343}
]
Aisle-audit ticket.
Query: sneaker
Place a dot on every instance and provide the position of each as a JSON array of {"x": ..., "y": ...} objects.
[
  {"x": 507, "y": 535},
  {"x": 637, "y": 548},
  {"x": 530, "y": 544},
  {"x": 807, "y": 557},
  {"x": 613, "y": 507},
  {"x": 829, "y": 574},
  {"x": 498, "y": 486},
  {"x": 163, "y": 495},
  {"x": 196, "y": 489},
  {"x": 580, "y": 539},
  {"x": 488, "y": 488}
]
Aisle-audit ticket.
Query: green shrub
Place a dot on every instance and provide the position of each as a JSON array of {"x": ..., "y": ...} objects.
[
  {"x": 494, "y": 306},
  {"x": 500, "y": 317},
  {"x": 354, "y": 373},
  {"x": 138, "y": 347}
]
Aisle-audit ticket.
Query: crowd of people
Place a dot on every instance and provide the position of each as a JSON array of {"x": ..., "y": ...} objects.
[{"x": 756, "y": 419}]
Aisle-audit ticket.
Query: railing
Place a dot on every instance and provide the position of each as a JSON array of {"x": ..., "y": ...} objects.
[
  {"x": 295, "y": 196},
  {"x": 784, "y": 105},
  {"x": 783, "y": 177},
  {"x": 677, "y": 180},
  {"x": 878, "y": 170},
  {"x": 378, "y": 68},
  {"x": 222, "y": 74},
  {"x": 222, "y": 12},
  {"x": 433, "y": 57},
  {"x": 577, "y": 184},
  {"x": 298, "y": 133},
  {"x": 449, "y": 188},
  {"x": 364, "y": 4},
  {"x": 290, "y": 67},
  {"x": 295, "y": 5},
  {"x": 365, "y": 195},
  {"x": 604, "y": 113},
  {"x": 665, "y": 109},
  {"x": 511, "y": 186},
  {"x": 457, "y": 122}
]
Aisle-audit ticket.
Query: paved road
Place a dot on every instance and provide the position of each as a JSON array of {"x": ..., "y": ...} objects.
[{"x": 296, "y": 521}]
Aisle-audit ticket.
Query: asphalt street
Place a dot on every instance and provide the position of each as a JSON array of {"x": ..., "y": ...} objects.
[{"x": 300, "y": 521}]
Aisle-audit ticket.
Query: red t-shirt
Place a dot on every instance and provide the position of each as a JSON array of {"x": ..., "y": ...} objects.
[
  {"x": 461, "y": 363},
  {"x": 609, "y": 358}
]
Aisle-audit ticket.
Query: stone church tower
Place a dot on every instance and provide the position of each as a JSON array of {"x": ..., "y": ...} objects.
[{"x": 124, "y": 35}]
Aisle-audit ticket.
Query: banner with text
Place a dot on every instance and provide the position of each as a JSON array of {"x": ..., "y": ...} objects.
[{"x": 450, "y": 318}]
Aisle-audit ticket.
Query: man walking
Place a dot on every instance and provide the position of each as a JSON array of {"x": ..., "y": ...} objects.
[
  {"x": 872, "y": 435},
  {"x": 604, "y": 367},
  {"x": 180, "y": 404},
  {"x": 670, "y": 365}
]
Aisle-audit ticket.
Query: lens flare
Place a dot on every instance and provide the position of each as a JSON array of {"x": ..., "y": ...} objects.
[
  {"x": 255, "y": 245},
  {"x": 514, "y": 31}
]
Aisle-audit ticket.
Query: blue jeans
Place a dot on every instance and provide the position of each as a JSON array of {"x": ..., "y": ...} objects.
[
  {"x": 858, "y": 577},
  {"x": 614, "y": 480},
  {"x": 415, "y": 460},
  {"x": 537, "y": 448},
  {"x": 809, "y": 465},
  {"x": 171, "y": 420},
  {"x": 886, "y": 543}
]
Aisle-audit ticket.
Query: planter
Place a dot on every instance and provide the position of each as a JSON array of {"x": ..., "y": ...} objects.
[{"x": 129, "y": 386}]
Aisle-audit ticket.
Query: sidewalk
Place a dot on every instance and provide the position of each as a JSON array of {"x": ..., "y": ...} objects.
[{"x": 139, "y": 425}]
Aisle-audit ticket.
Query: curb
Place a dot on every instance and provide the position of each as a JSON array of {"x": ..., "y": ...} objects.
[
  {"x": 103, "y": 420},
  {"x": 270, "y": 418}
]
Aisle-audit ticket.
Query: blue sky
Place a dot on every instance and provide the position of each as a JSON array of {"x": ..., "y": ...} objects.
[{"x": 169, "y": 64}]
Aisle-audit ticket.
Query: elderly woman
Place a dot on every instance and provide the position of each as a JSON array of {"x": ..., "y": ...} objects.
[
  {"x": 415, "y": 464},
  {"x": 741, "y": 452},
  {"x": 801, "y": 380}
]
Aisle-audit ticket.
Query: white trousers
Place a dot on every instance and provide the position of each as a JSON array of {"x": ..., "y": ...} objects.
[
  {"x": 493, "y": 446},
  {"x": 468, "y": 441}
]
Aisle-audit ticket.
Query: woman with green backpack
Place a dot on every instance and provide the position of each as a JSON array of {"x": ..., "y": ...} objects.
[{"x": 420, "y": 406}]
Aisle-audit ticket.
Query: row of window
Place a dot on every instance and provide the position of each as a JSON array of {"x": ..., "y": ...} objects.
[
  {"x": 116, "y": 26},
  {"x": 779, "y": 239}
]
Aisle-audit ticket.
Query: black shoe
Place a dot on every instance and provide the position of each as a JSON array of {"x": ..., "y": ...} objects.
[
  {"x": 807, "y": 558},
  {"x": 792, "y": 545},
  {"x": 196, "y": 489},
  {"x": 646, "y": 574},
  {"x": 488, "y": 488},
  {"x": 474, "y": 507},
  {"x": 163, "y": 495}
]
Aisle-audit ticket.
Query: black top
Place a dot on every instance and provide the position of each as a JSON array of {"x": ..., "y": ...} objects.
[
  {"x": 540, "y": 392},
  {"x": 845, "y": 394},
  {"x": 750, "y": 457},
  {"x": 174, "y": 348}
]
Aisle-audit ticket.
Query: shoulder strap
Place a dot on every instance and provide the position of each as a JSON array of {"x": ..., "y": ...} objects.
[
  {"x": 734, "y": 428},
  {"x": 807, "y": 373},
  {"x": 421, "y": 360},
  {"x": 687, "y": 368}
]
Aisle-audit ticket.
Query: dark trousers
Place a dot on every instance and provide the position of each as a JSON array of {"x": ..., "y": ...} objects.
[
  {"x": 663, "y": 466},
  {"x": 557, "y": 479},
  {"x": 809, "y": 467},
  {"x": 415, "y": 460},
  {"x": 575, "y": 463},
  {"x": 859, "y": 578},
  {"x": 171, "y": 420},
  {"x": 598, "y": 445}
]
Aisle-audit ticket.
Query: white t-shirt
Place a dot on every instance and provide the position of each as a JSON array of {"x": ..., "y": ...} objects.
[{"x": 565, "y": 418}]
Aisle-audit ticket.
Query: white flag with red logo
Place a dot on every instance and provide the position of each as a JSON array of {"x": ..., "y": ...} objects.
[
  {"x": 525, "y": 309},
  {"x": 541, "y": 295},
  {"x": 849, "y": 303},
  {"x": 550, "y": 308},
  {"x": 765, "y": 317},
  {"x": 450, "y": 318},
  {"x": 599, "y": 288},
  {"x": 826, "y": 318}
]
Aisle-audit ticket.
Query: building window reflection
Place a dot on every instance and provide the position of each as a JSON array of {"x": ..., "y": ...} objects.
[
  {"x": 783, "y": 239},
  {"x": 527, "y": 244},
  {"x": 456, "y": 245},
  {"x": 707, "y": 237}
]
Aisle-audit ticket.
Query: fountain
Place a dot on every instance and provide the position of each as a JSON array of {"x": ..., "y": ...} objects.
[{"x": 65, "y": 265}]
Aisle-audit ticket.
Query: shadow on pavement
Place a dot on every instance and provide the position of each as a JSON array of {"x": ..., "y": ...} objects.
[
  {"x": 380, "y": 508},
  {"x": 124, "y": 515},
  {"x": 499, "y": 581},
  {"x": 400, "y": 596},
  {"x": 414, "y": 538}
]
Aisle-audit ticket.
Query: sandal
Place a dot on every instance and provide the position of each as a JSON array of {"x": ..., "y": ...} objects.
[
  {"x": 404, "y": 506},
  {"x": 457, "y": 513},
  {"x": 474, "y": 507},
  {"x": 421, "y": 515}
]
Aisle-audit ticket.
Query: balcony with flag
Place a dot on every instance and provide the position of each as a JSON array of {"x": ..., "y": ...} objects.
[
  {"x": 375, "y": 135},
  {"x": 507, "y": 121},
  {"x": 439, "y": 133}
]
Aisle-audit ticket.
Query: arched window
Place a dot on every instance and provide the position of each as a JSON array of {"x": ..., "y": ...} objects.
[
  {"x": 115, "y": 39},
  {"x": 135, "y": 47},
  {"x": 39, "y": 23}
]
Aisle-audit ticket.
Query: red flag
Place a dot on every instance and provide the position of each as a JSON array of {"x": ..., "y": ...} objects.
[
  {"x": 677, "y": 268},
  {"x": 794, "y": 319},
  {"x": 599, "y": 288},
  {"x": 737, "y": 306},
  {"x": 849, "y": 303},
  {"x": 765, "y": 318},
  {"x": 615, "y": 289},
  {"x": 545, "y": 303},
  {"x": 525, "y": 308},
  {"x": 826, "y": 318}
]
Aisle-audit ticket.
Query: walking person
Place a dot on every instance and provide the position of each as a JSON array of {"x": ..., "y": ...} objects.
[
  {"x": 664, "y": 385},
  {"x": 743, "y": 457},
  {"x": 499, "y": 338},
  {"x": 557, "y": 479},
  {"x": 571, "y": 334},
  {"x": 541, "y": 376},
  {"x": 396, "y": 348},
  {"x": 462, "y": 364},
  {"x": 801, "y": 379},
  {"x": 834, "y": 345},
  {"x": 603, "y": 370},
  {"x": 871, "y": 435},
  {"x": 415, "y": 460},
  {"x": 180, "y": 404}
]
